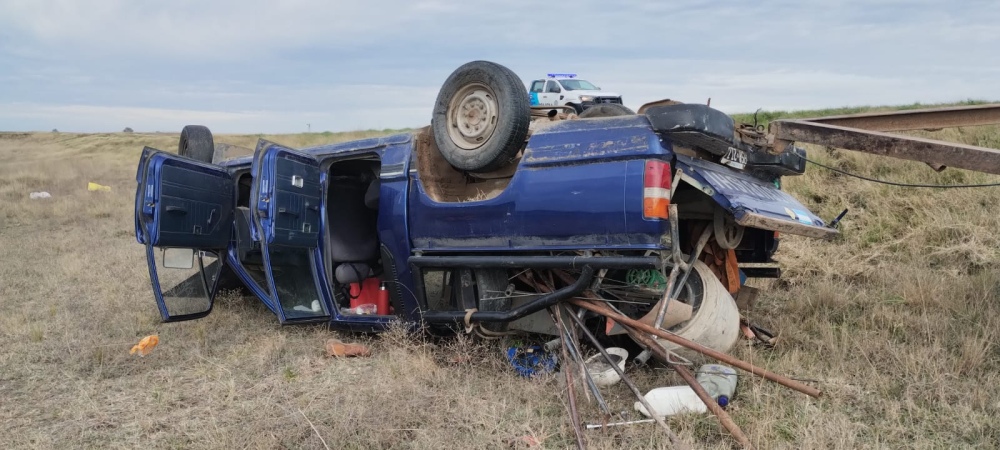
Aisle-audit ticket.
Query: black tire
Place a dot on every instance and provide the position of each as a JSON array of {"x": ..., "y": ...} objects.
[
  {"x": 606, "y": 110},
  {"x": 494, "y": 127},
  {"x": 578, "y": 108},
  {"x": 196, "y": 143}
]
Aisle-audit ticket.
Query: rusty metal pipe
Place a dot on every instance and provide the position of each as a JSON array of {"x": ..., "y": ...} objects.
[
  {"x": 724, "y": 418},
  {"x": 917, "y": 119},
  {"x": 676, "y": 441},
  {"x": 940, "y": 153},
  {"x": 714, "y": 354},
  {"x": 574, "y": 352},
  {"x": 574, "y": 414}
]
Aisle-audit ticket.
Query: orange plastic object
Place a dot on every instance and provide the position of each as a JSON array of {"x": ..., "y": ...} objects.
[
  {"x": 338, "y": 348},
  {"x": 146, "y": 345}
]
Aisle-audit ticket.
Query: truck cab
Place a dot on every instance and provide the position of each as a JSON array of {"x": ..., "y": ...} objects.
[{"x": 565, "y": 89}]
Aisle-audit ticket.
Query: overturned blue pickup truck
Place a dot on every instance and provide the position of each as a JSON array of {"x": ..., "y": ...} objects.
[{"x": 483, "y": 220}]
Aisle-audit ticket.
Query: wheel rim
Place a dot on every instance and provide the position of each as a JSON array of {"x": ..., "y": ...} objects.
[
  {"x": 728, "y": 233},
  {"x": 472, "y": 116}
]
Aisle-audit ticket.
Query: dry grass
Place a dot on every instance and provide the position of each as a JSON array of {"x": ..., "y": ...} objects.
[{"x": 898, "y": 319}]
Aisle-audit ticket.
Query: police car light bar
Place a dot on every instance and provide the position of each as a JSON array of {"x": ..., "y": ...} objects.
[{"x": 562, "y": 75}]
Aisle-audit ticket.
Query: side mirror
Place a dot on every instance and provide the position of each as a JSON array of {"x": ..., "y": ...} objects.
[{"x": 178, "y": 258}]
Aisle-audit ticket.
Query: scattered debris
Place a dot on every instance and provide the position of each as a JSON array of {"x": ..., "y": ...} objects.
[
  {"x": 719, "y": 381},
  {"x": 531, "y": 361},
  {"x": 338, "y": 348},
  {"x": 759, "y": 333},
  {"x": 361, "y": 310},
  {"x": 145, "y": 346},
  {"x": 38, "y": 195},
  {"x": 93, "y": 187},
  {"x": 637, "y": 326},
  {"x": 674, "y": 439},
  {"x": 591, "y": 426},
  {"x": 672, "y": 400},
  {"x": 602, "y": 372}
]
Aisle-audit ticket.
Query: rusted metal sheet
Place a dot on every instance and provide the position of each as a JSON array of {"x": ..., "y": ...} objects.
[
  {"x": 917, "y": 119},
  {"x": 755, "y": 220},
  {"x": 934, "y": 152}
]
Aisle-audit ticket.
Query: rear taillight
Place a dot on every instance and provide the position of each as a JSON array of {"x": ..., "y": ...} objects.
[{"x": 656, "y": 190}]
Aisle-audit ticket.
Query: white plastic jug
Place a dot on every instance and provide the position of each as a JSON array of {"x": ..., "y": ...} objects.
[
  {"x": 719, "y": 381},
  {"x": 667, "y": 401}
]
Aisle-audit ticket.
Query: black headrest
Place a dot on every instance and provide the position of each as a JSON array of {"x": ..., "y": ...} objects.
[{"x": 372, "y": 194}]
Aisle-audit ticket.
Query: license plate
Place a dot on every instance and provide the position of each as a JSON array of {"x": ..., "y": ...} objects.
[{"x": 735, "y": 158}]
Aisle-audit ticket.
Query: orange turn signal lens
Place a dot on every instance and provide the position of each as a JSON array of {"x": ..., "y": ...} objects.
[
  {"x": 655, "y": 208},
  {"x": 656, "y": 190}
]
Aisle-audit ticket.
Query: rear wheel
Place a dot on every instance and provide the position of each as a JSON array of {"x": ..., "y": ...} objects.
[
  {"x": 481, "y": 116},
  {"x": 196, "y": 143}
]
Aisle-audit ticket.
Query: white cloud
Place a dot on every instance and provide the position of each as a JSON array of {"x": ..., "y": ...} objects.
[{"x": 256, "y": 65}]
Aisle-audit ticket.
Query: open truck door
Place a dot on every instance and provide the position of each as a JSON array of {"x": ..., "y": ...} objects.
[
  {"x": 183, "y": 214},
  {"x": 286, "y": 209}
]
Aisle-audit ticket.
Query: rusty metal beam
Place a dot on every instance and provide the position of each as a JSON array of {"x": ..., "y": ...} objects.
[
  {"x": 939, "y": 153},
  {"x": 917, "y": 119}
]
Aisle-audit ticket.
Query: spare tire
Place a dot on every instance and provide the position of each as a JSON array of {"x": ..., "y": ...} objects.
[
  {"x": 481, "y": 117},
  {"x": 606, "y": 110},
  {"x": 196, "y": 143}
]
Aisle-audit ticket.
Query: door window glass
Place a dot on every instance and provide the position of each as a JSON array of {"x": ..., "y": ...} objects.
[
  {"x": 186, "y": 289},
  {"x": 295, "y": 283}
]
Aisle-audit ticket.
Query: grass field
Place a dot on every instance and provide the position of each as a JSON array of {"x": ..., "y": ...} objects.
[{"x": 897, "y": 321}]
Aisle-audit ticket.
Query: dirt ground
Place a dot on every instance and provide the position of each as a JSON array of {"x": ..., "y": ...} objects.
[{"x": 897, "y": 321}]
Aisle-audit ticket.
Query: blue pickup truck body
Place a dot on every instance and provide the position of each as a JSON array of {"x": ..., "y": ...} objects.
[{"x": 576, "y": 195}]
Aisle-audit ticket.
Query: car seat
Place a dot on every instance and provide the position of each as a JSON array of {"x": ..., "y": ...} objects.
[{"x": 352, "y": 206}]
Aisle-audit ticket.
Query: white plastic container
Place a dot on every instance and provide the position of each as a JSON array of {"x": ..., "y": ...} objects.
[
  {"x": 602, "y": 372},
  {"x": 719, "y": 381},
  {"x": 671, "y": 400}
]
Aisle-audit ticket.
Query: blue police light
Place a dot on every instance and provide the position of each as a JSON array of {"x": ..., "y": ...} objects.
[{"x": 562, "y": 75}]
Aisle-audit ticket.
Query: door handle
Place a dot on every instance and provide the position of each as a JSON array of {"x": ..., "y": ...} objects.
[
  {"x": 290, "y": 213},
  {"x": 176, "y": 209}
]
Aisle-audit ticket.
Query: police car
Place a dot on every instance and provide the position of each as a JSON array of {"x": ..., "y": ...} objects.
[{"x": 560, "y": 89}]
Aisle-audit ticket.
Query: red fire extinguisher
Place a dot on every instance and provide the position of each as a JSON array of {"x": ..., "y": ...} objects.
[{"x": 382, "y": 303}]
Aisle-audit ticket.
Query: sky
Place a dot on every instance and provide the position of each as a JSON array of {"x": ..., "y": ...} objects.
[{"x": 265, "y": 66}]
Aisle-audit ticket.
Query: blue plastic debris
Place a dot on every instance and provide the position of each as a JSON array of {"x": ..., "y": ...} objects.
[{"x": 531, "y": 361}]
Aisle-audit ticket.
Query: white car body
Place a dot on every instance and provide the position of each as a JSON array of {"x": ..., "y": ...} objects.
[{"x": 566, "y": 89}]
